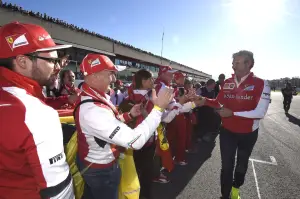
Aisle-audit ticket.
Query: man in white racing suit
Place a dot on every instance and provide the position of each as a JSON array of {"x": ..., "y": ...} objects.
[{"x": 102, "y": 130}]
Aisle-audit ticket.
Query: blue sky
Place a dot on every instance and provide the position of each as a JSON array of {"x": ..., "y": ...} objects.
[{"x": 202, "y": 34}]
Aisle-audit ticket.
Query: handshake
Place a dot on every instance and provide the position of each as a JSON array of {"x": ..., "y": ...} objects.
[
  {"x": 192, "y": 96},
  {"x": 163, "y": 99}
]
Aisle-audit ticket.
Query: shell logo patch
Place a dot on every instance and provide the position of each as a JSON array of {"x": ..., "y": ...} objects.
[{"x": 44, "y": 37}]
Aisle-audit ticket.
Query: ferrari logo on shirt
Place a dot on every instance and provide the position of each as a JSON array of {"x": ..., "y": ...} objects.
[{"x": 229, "y": 86}]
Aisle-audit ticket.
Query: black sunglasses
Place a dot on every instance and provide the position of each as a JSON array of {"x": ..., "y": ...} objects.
[{"x": 48, "y": 59}]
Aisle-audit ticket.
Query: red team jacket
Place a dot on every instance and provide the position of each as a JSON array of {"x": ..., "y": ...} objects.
[
  {"x": 143, "y": 96},
  {"x": 249, "y": 100},
  {"x": 32, "y": 158},
  {"x": 101, "y": 128}
]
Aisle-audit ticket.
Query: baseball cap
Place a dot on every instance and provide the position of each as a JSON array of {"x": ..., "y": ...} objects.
[
  {"x": 178, "y": 75},
  {"x": 119, "y": 83},
  {"x": 19, "y": 38},
  {"x": 93, "y": 63},
  {"x": 164, "y": 69}
]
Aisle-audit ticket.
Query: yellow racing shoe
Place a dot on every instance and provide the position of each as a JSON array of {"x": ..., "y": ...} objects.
[{"x": 235, "y": 193}]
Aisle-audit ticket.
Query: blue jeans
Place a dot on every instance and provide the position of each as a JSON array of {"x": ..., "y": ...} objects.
[{"x": 100, "y": 182}]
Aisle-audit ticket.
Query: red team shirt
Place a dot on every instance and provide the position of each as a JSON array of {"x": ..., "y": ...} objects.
[{"x": 249, "y": 100}]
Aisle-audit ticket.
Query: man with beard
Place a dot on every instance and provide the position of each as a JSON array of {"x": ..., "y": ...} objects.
[
  {"x": 32, "y": 159},
  {"x": 67, "y": 83}
]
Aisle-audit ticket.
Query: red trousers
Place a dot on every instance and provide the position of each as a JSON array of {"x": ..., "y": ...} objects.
[
  {"x": 191, "y": 120},
  {"x": 177, "y": 137},
  {"x": 165, "y": 156}
]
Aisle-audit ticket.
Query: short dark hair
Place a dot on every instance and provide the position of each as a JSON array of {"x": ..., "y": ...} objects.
[
  {"x": 7, "y": 63},
  {"x": 221, "y": 76},
  {"x": 141, "y": 75},
  {"x": 210, "y": 82}
]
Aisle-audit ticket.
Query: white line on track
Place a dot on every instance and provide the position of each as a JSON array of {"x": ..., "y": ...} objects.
[
  {"x": 273, "y": 162},
  {"x": 256, "y": 182}
]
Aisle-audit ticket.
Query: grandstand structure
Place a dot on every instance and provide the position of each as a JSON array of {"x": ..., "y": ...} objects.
[{"x": 84, "y": 42}]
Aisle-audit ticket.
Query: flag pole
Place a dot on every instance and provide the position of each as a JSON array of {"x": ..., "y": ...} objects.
[{"x": 162, "y": 45}]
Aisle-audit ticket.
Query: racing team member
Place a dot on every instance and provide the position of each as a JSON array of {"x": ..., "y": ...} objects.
[
  {"x": 165, "y": 77},
  {"x": 190, "y": 117},
  {"x": 244, "y": 100},
  {"x": 101, "y": 129},
  {"x": 32, "y": 159},
  {"x": 287, "y": 93},
  {"x": 67, "y": 83},
  {"x": 176, "y": 130},
  {"x": 140, "y": 92}
]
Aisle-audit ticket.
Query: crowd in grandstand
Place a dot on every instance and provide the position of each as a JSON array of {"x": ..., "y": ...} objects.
[
  {"x": 44, "y": 16},
  {"x": 125, "y": 137}
]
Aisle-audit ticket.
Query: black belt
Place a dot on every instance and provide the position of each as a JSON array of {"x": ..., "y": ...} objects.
[{"x": 50, "y": 192}]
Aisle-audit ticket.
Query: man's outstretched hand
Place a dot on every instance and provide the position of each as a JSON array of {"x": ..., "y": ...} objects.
[{"x": 164, "y": 97}]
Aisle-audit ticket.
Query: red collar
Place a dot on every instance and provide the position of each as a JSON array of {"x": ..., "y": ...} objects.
[
  {"x": 98, "y": 95},
  {"x": 10, "y": 78},
  {"x": 71, "y": 89}
]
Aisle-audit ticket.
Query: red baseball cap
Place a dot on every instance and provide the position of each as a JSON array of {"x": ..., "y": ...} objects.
[
  {"x": 93, "y": 63},
  {"x": 165, "y": 69},
  {"x": 19, "y": 38},
  {"x": 178, "y": 75},
  {"x": 119, "y": 83}
]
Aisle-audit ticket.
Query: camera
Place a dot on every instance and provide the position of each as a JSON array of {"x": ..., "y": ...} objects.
[{"x": 181, "y": 91}]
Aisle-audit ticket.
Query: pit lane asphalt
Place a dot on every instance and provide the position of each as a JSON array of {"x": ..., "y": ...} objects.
[{"x": 279, "y": 136}]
